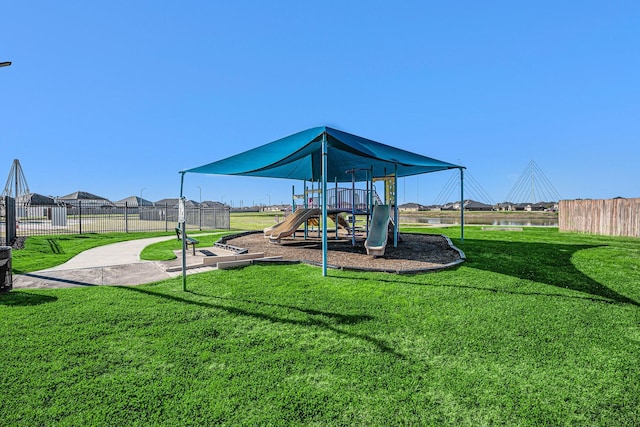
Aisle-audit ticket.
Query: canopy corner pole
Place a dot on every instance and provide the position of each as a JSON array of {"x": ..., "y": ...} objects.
[
  {"x": 462, "y": 204},
  {"x": 395, "y": 205},
  {"x": 324, "y": 204},
  {"x": 183, "y": 231}
]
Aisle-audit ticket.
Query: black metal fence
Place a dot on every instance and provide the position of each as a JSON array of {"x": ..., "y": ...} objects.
[
  {"x": 90, "y": 218},
  {"x": 7, "y": 220}
]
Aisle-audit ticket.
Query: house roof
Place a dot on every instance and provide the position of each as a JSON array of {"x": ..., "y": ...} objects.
[
  {"x": 36, "y": 199},
  {"x": 173, "y": 202},
  {"x": 135, "y": 201},
  {"x": 82, "y": 195}
]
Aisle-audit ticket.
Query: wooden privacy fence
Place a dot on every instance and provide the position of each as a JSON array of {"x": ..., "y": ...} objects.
[{"x": 611, "y": 217}]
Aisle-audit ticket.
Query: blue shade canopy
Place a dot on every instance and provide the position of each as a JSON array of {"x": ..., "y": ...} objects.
[{"x": 299, "y": 156}]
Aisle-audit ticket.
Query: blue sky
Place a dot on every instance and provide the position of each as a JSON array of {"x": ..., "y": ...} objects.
[{"x": 116, "y": 97}]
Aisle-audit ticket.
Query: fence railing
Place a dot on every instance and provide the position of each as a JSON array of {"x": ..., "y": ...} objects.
[
  {"x": 612, "y": 217},
  {"x": 343, "y": 199},
  {"x": 89, "y": 218}
]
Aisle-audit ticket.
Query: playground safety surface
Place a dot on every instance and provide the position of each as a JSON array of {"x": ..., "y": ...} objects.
[{"x": 414, "y": 253}]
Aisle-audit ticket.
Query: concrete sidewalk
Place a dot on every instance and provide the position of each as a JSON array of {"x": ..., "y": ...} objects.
[{"x": 114, "y": 264}]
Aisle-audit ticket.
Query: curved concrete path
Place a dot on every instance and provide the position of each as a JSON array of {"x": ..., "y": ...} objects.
[
  {"x": 109, "y": 255},
  {"x": 114, "y": 264}
]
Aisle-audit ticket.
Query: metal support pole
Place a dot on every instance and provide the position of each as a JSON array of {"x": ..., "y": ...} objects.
[
  {"x": 368, "y": 194},
  {"x": 336, "y": 207},
  {"x": 184, "y": 236},
  {"x": 306, "y": 206},
  {"x": 324, "y": 204},
  {"x": 321, "y": 193},
  {"x": 370, "y": 201},
  {"x": 166, "y": 220},
  {"x": 395, "y": 206},
  {"x": 462, "y": 204},
  {"x": 353, "y": 207},
  {"x": 293, "y": 198}
]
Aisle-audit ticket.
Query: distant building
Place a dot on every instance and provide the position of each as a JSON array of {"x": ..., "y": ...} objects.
[
  {"x": 212, "y": 204},
  {"x": 33, "y": 204},
  {"x": 35, "y": 199},
  {"x": 505, "y": 206},
  {"x": 85, "y": 200},
  {"x": 134, "y": 201},
  {"x": 545, "y": 206},
  {"x": 410, "y": 207},
  {"x": 432, "y": 208},
  {"x": 474, "y": 205},
  {"x": 528, "y": 207},
  {"x": 469, "y": 205},
  {"x": 173, "y": 203}
]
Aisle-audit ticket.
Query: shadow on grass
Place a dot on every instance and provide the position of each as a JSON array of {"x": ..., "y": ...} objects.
[
  {"x": 51, "y": 278},
  {"x": 546, "y": 263},
  {"x": 314, "y": 322},
  {"x": 16, "y": 298},
  {"x": 345, "y": 319}
]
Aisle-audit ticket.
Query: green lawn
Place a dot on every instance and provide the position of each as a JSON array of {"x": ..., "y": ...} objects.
[
  {"x": 537, "y": 327},
  {"x": 254, "y": 220}
]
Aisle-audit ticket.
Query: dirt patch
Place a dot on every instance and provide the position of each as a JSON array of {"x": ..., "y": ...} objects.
[
  {"x": 18, "y": 243},
  {"x": 414, "y": 253}
]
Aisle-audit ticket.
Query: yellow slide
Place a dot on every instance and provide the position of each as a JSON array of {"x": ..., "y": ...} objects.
[
  {"x": 290, "y": 224},
  {"x": 341, "y": 221}
]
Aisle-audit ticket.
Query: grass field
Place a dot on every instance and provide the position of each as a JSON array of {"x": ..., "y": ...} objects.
[{"x": 537, "y": 327}]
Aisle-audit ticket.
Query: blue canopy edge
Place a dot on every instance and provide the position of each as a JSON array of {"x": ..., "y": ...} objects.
[{"x": 298, "y": 156}]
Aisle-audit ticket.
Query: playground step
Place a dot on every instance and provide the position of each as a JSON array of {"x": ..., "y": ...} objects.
[
  {"x": 211, "y": 261},
  {"x": 244, "y": 262},
  {"x": 231, "y": 248}
]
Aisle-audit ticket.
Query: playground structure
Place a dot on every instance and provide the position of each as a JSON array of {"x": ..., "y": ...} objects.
[
  {"x": 354, "y": 201},
  {"x": 324, "y": 155}
]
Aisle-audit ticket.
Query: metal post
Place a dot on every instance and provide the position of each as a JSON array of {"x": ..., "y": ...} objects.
[
  {"x": 368, "y": 193},
  {"x": 126, "y": 217},
  {"x": 353, "y": 207},
  {"x": 370, "y": 215},
  {"x": 166, "y": 221},
  {"x": 184, "y": 240},
  {"x": 80, "y": 215},
  {"x": 462, "y": 204},
  {"x": 336, "y": 207},
  {"x": 306, "y": 206},
  {"x": 324, "y": 204},
  {"x": 395, "y": 206},
  {"x": 321, "y": 194},
  {"x": 293, "y": 198}
]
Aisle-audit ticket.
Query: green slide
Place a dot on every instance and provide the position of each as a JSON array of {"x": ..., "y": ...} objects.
[{"x": 378, "y": 231}]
